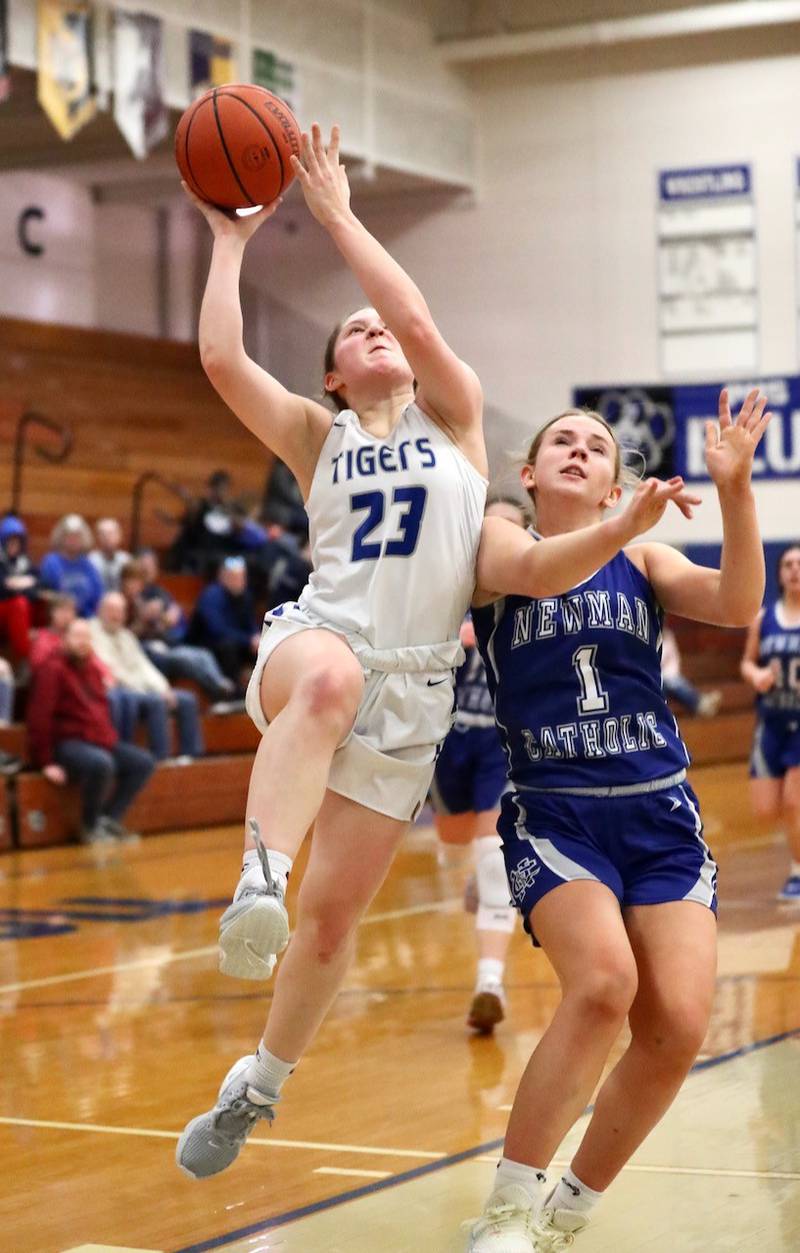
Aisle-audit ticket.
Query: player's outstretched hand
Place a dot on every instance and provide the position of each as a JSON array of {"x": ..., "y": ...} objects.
[
  {"x": 322, "y": 179},
  {"x": 226, "y": 222},
  {"x": 646, "y": 506},
  {"x": 731, "y": 445}
]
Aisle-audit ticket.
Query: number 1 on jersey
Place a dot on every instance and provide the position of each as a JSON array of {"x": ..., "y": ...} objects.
[{"x": 593, "y": 699}]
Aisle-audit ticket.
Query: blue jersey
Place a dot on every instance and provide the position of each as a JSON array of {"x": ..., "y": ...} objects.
[
  {"x": 576, "y": 682},
  {"x": 474, "y": 704},
  {"x": 779, "y": 648}
]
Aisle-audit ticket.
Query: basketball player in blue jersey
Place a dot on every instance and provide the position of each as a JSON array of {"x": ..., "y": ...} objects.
[
  {"x": 353, "y": 684},
  {"x": 601, "y": 832},
  {"x": 771, "y": 664},
  {"x": 469, "y": 779}
]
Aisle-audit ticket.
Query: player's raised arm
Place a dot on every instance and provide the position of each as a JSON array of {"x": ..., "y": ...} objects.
[
  {"x": 447, "y": 388},
  {"x": 292, "y": 426},
  {"x": 512, "y": 562},
  {"x": 732, "y": 595}
]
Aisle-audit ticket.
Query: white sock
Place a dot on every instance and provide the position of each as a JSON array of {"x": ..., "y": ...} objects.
[
  {"x": 490, "y": 971},
  {"x": 531, "y": 1178},
  {"x": 794, "y": 869},
  {"x": 279, "y": 866},
  {"x": 267, "y": 1072},
  {"x": 570, "y": 1193}
]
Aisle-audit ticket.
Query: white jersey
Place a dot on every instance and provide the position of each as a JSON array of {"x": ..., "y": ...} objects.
[{"x": 394, "y": 525}]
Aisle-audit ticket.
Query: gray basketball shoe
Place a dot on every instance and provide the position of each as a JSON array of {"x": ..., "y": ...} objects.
[
  {"x": 210, "y": 1142},
  {"x": 255, "y": 927}
]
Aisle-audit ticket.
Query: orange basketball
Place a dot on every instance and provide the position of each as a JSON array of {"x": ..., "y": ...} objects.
[{"x": 233, "y": 146}]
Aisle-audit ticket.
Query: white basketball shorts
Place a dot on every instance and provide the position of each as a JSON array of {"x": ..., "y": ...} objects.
[{"x": 386, "y": 762}]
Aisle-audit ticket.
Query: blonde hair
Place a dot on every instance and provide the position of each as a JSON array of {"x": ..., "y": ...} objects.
[{"x": 624, "y": 475}]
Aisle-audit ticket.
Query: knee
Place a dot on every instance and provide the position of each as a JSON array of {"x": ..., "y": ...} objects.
[
  {"x": 674, "y": 1036},
  {"x": 333, "y": 937},
  {"x": 606, "y": 992},
  {"x": 331, "y": 696}
]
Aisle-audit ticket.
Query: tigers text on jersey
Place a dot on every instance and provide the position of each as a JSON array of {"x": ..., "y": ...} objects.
[
  {"x": 576, "y": 681},
  {"x": 394, "y": 525},
  {"x": 779, "y": 648}
]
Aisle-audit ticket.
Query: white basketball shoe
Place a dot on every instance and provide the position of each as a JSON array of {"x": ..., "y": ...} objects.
[
  {"x": 506, "y": 1225},
  {"x": 255, "y": 927}
]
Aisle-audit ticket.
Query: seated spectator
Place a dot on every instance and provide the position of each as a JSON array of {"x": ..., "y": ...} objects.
[
  {"x": 146, "y": 693},
  {"x": 158, "y": 622},
  {"x": 50, "y": 639},
  {"x": 67, "y": 567},
  {"x": 109, "y": 557},
  {"x": 19, "y": 585},
  {"x": 71, "y": 737},
  {"x": 283, "y": 508},
  {"x": 224, "y": 621},
  {"x": 206, "y": 529},
  {"x": 678, "y": 686}
]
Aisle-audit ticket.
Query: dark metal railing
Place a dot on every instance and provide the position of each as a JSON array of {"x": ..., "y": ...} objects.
[
  {"x": 174, "y": 489},
  {"x": 54, "y": 455}
]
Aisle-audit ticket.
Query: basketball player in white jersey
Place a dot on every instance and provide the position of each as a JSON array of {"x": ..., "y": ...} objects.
[{"x": 353, "y": 685}]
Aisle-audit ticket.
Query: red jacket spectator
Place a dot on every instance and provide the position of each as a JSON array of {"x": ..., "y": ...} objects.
[{"x": 69, "y": 701}]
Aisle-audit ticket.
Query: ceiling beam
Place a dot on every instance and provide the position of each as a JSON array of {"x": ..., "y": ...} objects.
[{"x": 740, "y": 15}]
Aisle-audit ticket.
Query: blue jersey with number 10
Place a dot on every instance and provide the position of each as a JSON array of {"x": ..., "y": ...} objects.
[{"x": 576, "y": 682}]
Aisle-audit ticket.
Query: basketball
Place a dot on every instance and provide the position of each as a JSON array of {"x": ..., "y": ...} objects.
[{"x": 233, "y": 145}]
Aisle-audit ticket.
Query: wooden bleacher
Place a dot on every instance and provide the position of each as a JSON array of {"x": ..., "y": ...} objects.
[{"x": 133, "y": 404}]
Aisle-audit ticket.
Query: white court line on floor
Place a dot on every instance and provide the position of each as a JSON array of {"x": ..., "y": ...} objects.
[
  {"x": 371, "y": 1150},
  {"x": 362, "y": 1174},
  {"x": 366, "y": 1149},
  {"x": 432, "y": 907}
]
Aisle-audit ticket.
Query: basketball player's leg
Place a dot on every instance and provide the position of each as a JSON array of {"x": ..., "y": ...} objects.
[
  {"x": 579, "y": 925},
  {"x": 309, "y": 691},
  {"x": 351, "y": 853},
  {"x": 675, "y": 946},
  {"x": 350, "y": 856},
  {"x": 791, "y": 811},
  {"x": 495, "y": 921}
]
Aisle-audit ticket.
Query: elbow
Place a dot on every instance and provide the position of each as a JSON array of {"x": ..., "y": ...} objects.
[
  {"x": 418, "y": 331},
  {"x": 742, "y": 615}
]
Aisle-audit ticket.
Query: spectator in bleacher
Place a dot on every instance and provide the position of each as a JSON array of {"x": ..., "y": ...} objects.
[
  {"x": 206, "y": 529},
  {"x": 224, "y": 621},
  {"x": 109, "y": 557},
  {"x": 676, "y": 685},
  {"x": 149, "y": 694},
  {"x": 71, "y": 737},
  {"x": 67, "y": 567},
  {"x": 282, "y": 508},
  {"x": 158, "y": 622},
  {"x": 19, "y": 585},
  {"x": 50, "y": 639}
]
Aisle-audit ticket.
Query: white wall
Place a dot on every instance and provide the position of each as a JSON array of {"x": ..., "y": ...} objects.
[
  {"x": 547, "y": 280},
  {"x": 58, "y": 285}
]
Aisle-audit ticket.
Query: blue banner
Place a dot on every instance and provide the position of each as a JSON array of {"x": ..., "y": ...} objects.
[
  {"x": 710, "y": 182},
  {"x": 666, "y": 425}
]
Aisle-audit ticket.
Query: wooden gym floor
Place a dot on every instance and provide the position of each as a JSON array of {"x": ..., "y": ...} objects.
[{"x": 116, "y": 1028}]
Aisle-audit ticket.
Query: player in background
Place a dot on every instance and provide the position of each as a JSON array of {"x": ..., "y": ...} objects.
[
  {"x": 771, "y": 665},
  {"x": 469, "y": 779},
  {"x": 353, "y": 684},
  {"x": 601, "y": 832}
]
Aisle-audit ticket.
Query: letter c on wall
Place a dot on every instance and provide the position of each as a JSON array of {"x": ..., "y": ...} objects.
[{"x": 32, "y": 214}]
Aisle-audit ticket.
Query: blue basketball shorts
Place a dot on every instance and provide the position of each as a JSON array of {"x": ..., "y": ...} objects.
[
  {"x": 648, "y": 849},
  {"x": 776, "y": 747},
  {"x": 470, "y": 774}
]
